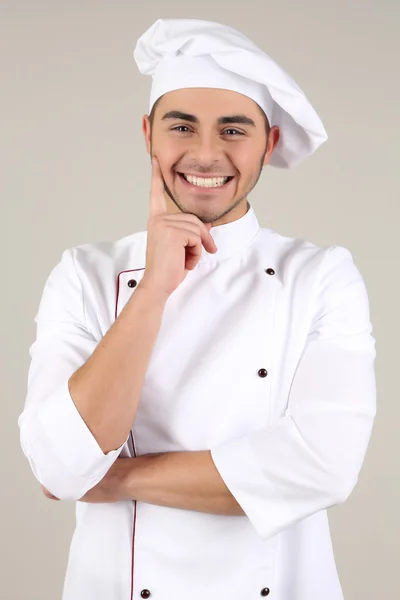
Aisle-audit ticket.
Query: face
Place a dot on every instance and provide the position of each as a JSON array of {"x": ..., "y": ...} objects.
[{"x": 211, "y": 145}]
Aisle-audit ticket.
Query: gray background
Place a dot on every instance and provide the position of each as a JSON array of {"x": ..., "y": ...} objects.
[{"x": 74, "y": 170}]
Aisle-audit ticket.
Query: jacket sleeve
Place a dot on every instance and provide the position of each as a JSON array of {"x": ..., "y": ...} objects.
[
  {"x": 62, "y": 452},
  {"x": 309, "y": 459}
]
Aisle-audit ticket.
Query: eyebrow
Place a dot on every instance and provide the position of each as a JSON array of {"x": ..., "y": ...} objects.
[{"x": 229, "y": 119}]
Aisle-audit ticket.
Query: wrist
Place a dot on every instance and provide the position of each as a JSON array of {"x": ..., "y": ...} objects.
[
  {"x": 154, "y": 292},
  {"x": 125, "y": 478}
]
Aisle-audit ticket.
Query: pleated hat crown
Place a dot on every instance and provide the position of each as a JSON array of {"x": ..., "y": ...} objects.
[{"x": 188, "y": 53}]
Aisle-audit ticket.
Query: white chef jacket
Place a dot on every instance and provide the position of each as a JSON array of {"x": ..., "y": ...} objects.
[{"x": 264, "y": 357}]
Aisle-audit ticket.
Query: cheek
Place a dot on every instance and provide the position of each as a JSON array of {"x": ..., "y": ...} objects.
[
  {"x": 247, "y": 166},
  {"x": 168, "y": 152}
]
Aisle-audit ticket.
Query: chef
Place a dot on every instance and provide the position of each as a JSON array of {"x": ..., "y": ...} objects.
[{"x": 204, "y": 390}]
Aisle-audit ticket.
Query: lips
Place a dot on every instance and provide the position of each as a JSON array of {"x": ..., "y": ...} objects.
[{"x": 185, "y": 177}]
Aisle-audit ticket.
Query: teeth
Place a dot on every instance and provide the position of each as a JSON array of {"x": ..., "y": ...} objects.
[{"x": 206, "y": 182}]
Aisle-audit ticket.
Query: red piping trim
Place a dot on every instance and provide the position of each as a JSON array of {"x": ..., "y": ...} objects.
[
  {"x": 133, "y": 445},
  {"x": 133, "y": 531}
]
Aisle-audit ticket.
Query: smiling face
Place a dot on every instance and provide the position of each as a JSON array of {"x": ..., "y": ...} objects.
[{"x": 211, "y": 145}]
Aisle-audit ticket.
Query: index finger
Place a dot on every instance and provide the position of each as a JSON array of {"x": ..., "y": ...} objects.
[{"x": 158, "y": 203}]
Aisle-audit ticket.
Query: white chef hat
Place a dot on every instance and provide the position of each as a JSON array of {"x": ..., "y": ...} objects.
[{"x": 187, "y": 53}]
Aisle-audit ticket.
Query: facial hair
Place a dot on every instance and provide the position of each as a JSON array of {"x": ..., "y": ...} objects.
[{"x": 215, "y": 217}]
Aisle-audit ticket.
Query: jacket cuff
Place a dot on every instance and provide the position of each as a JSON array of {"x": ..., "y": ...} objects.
[
  {"x": 237, "y": 464},
  {"x": 70, "y": 437}
]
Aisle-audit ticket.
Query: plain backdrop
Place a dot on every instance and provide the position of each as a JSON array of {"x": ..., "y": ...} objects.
[{"x": 74, "y": 170}]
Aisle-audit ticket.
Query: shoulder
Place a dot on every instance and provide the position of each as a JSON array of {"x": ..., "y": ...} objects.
[
  {"x": 302, "y": 258},
  {"x": 327, "y": 278},
  {"x": 325, "y": 285},
  {"x": 117, "y": 252},
  {"x": 102, "y": 259},
  {"x": 93, "y": 267}
]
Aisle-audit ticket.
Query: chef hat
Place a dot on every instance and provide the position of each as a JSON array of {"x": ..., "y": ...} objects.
[{"x": 188, "y": 53}]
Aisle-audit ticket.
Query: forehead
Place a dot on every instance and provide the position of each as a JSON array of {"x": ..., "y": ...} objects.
[{"x": 208, "y": 102}]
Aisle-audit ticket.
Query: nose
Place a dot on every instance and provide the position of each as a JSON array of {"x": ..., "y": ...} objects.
[{"x": 206, "y": 149}]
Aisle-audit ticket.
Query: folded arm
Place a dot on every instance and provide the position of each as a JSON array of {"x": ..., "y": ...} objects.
[
  {"x": 304, "y": 462},
  {"x": 309, "y": 459}
]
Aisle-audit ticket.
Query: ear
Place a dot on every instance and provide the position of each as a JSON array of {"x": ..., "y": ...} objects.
[
  {"x": 273, "y": 139},
  {"x": 146, "y": 132}
]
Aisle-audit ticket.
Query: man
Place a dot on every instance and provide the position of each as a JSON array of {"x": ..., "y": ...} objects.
[{"x": 204, "y": 389}]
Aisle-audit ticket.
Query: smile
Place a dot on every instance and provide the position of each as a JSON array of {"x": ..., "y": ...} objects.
[{"x": 206, "y": 182}]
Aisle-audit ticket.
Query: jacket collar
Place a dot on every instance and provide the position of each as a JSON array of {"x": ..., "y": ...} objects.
[{"x": 232, "y": 237}]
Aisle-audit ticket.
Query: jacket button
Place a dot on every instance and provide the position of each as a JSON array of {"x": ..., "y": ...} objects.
[
  {"x": 145, "y": 594},
  {"x": 265, "y": 592},
  {"x": 270, "y": 271},
  {"x": 263, "y": 372},
  {"x": 132, "y": 283}
]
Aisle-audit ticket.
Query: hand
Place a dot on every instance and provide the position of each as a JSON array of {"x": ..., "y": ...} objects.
[
  {"x": 173, "y": 241},
  {"x": 113, "y": 487}
]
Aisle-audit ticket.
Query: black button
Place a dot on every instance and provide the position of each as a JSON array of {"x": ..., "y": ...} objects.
[
  {"x": 265, "y": 592},
  {"x": 270, "y": 271},
  {"x": 145, "y": 594},
  {"x": 132, "y": 283},
  {"x": 263, "y": 372}
]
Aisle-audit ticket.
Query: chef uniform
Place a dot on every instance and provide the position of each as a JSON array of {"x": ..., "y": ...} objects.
[{"x": 265, "y": 357}]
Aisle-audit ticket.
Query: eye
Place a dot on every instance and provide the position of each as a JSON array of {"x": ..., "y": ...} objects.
[
  {"x": 182, "y": 127},
  {"x": 235, "y": 130},
  {"x": 179, "y": 127}
]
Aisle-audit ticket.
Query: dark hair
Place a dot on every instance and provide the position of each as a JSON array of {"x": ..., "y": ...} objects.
[{"x": 153, "y": 110}]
